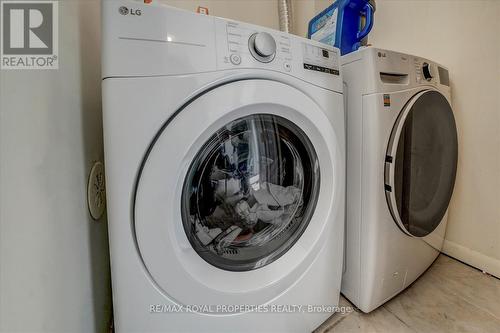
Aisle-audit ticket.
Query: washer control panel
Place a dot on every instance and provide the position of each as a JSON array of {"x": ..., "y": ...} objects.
[
  {"x": 241, "y": 45},
  {"x": 320, "y": 59},
  {"x": 244, "y": 45}
]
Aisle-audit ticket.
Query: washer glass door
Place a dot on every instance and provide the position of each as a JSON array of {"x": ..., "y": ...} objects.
[
  {"x": 421, "y": 163},
  {"x": 228, "y": 202},
  {"x": 250, "y": 192}
]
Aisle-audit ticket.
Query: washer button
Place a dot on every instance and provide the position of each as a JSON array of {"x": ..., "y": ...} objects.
[
  {"x": 287, "y": 66},
  {"x": 235, "y": 59}
]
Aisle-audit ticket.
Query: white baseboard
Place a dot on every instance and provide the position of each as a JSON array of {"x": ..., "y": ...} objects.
[{"x": 483, "y": 262}]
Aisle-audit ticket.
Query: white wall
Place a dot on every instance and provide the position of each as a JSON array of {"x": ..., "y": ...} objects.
[
  {"x": 464, "y": 36},
  {"x": 54, "y": 266}
]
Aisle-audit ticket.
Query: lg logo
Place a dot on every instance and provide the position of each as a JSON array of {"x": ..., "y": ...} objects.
[
  {"x": 125, "y": 11},
  {"x": 29, "y": 28}
]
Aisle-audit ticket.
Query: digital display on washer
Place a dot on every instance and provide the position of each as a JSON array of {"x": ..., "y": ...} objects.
[
  {"x": 321, "y": 69},
  {"x": 321, "y": 60}
]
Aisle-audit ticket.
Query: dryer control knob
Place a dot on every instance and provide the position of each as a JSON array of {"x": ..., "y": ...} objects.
[
  {"x": 427, "y": 71},
  {"x": 262, "y": 46}
]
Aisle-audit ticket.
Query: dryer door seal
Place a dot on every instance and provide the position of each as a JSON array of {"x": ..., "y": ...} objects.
[{"x": 421, "y": 163}]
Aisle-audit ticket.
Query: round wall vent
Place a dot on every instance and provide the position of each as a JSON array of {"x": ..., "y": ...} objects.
[{"x": 96, "y": 191}]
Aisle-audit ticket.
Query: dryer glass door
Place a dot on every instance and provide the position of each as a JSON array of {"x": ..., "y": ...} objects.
[
  {"x": 250, "y": 192},
  {"x": 421, "y": 163}
]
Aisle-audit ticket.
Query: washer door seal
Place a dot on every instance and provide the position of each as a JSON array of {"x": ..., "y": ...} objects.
[{"x": 250, "y": 192}]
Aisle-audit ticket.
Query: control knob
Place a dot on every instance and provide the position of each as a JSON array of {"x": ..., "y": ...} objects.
[
  {"x": 427, "y": 71},
  {"x": 262, "y": 46}
]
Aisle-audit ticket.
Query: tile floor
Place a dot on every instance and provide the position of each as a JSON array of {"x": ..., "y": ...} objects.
[{"x": 449, "y": 297}]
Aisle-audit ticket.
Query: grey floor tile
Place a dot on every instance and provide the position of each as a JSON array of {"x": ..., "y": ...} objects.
[
  {"x": 430, "y": 305},
  {"x": 378, "y": 321},
  {"x": 449, "y": 297},
  {"x": 477, "y": 288}
]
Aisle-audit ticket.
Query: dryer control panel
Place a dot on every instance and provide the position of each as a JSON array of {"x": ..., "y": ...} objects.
[
  {"x": 385, "y": 71},
  {"x": 426, "y": 71}
]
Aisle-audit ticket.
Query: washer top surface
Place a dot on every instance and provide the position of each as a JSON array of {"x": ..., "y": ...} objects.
[{"x": 164, "y": 41}]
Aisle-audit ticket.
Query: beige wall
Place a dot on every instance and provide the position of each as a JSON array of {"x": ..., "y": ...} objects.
[{"x": 304, "y": 11}]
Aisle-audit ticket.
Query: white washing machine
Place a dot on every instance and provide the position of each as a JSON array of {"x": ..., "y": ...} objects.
[
  {"x": 401, "y": 167},
  {"x": 225, "y": 169}
]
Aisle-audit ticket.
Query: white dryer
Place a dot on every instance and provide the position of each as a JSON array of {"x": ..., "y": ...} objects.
[
  {"x": 225, "y": 169},
  {"x": 401, "y": 167}
]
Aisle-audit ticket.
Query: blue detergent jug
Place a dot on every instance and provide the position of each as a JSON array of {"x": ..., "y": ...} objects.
[{"x": 344, "y": 24}]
